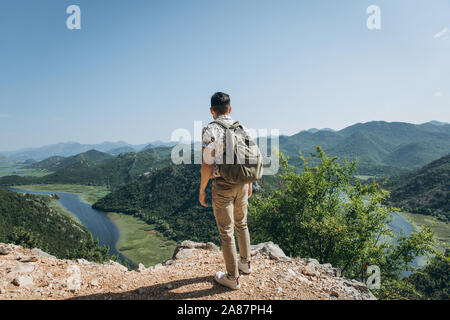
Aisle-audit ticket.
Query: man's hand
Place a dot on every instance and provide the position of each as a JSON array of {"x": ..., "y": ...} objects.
[
  {"x": 201, "y": 198},
  {"x": 250, "y": 191}
]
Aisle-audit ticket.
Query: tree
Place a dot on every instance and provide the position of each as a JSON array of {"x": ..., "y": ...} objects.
[
  {"x": 24, "y": 238},
  {"x": 324, "y": 213}
]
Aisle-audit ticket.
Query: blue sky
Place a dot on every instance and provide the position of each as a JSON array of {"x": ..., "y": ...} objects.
[{"x": 139, "y": 69}]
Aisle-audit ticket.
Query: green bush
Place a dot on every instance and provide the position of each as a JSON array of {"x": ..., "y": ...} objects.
[{"x": 320, "y": 214}]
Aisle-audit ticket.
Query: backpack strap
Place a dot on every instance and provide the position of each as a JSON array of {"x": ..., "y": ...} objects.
[{"x": 227, "y": 126}]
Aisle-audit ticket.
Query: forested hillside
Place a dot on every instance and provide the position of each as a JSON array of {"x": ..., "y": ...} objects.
[
  {"x": 426, "y": 190},
  {"x": 97, "y": 168},
  {"x": 169, "y": 199},
  {"x": 28, "y": 220},
  {"x": 382, "y": 148},
  {"x": 90, "y": 158}
]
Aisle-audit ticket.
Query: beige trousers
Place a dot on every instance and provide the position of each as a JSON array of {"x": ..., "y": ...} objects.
[{"x": 230, "y": 203}]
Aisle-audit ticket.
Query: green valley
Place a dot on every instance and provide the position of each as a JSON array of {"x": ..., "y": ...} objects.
[{"x": 140, "y": 242}]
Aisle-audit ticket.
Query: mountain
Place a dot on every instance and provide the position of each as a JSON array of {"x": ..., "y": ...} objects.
[
  {"x": 438, "y": 123},
  {"x": 117, "y": 151},
  {"x": 159, "y": 143},
  {"x": 66, "y": 149},
  {"x": 426, "y": 190},
  {"x": 97, "y": 168},
  {"x": 89, "y": 158},
  {"x": 383, "y": 148},
  {"x": 52, "y": 164}
]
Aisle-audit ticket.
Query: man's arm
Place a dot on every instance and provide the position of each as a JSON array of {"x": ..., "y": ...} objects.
[{"x": 207, "y": 170}]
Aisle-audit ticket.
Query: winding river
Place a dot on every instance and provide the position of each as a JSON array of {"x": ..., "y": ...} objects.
[
  {"x": 97, "y": 222},
  {"x": 106, "y": 231}
]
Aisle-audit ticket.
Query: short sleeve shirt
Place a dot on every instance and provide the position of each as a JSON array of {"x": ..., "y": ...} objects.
[{"x": 213, "y": 138}]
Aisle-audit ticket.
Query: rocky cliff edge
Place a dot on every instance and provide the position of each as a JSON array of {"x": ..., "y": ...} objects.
[{"x": 33, "y": 274}]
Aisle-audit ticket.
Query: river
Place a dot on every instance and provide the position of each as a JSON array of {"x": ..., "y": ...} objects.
[
  {"x": 97, "y": 222},
  {"x": 104, "y": 229}
]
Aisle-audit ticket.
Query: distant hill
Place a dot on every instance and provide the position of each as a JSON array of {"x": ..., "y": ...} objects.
[
  {"x": 89, "y": 158},
  {"x": 97, "y": 168},
  {"x": 117, "y": 151},
  {"x": 4, "y": 160},
  {"x": 52, "y": 164},
  {"x": 66, "y": 149},
  {"x": 383, "y": 148},
  {"x": 426, "y": 190}
]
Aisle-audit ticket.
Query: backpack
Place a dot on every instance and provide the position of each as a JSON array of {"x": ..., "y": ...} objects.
[{"x": 241, "y": 161}]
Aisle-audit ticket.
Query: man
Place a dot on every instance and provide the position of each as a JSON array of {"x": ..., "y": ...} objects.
[{"x": 229, "y": 200}]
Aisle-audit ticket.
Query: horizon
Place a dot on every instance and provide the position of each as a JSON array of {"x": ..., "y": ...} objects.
[
  {"x": 195, "y": 141},
  {"x": 137, "y": 71}
]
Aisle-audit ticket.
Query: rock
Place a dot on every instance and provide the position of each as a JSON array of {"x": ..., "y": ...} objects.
[
  {"x": 140, "y": 268},
  {"x": 310, "y": 270},
  {"x": 313, "y": 261},
  {"x": 94, "y": 282},
  {"x": 23, "y": 268},
  {"x": 116, "y": 264},
  {"x": 83, "y": 261},
  {"x": 168, "y": 262},
  {"x": 169, "y": 286},
  {"x": 194, "y": 245},
  {"x": 2, "y": 291},
  {"x": 23, "y": 281},
  {"x": 39, "y": 252},
  {"x": 328, "y": 269},
  {"x": 28, "y": 259},
  {"x": 270, "y": 249},
  {"x": 184, "y": 254},
  {"x": 357, "y": 289},
  {"x": 158, "y": 267},
  {"x": 140, "y": 291},
  {"x": 303, "y": 280},
  {"x": 4, "y": 250},
  {"x": 334, "y": 294}
]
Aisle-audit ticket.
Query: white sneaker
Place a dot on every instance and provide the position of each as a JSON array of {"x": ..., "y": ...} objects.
[
  {"x": 223, "y": 279},
  {"x": 245, "y": 267}
]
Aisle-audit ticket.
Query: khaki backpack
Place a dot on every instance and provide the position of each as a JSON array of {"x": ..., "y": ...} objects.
[{"x": 241, "y": 161}]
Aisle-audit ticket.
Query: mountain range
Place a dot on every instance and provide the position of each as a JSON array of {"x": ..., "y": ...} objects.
[
  {"x": 68, "y": 149},
  {"x": 383, "y": 148}
]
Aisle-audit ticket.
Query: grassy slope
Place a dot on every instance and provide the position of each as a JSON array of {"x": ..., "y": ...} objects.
[
  {"x": 139, "y": 241},
  {"x": 441, "y": 229}
]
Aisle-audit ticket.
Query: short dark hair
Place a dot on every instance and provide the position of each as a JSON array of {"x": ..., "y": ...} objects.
[{"x": 220, "y": 103}]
